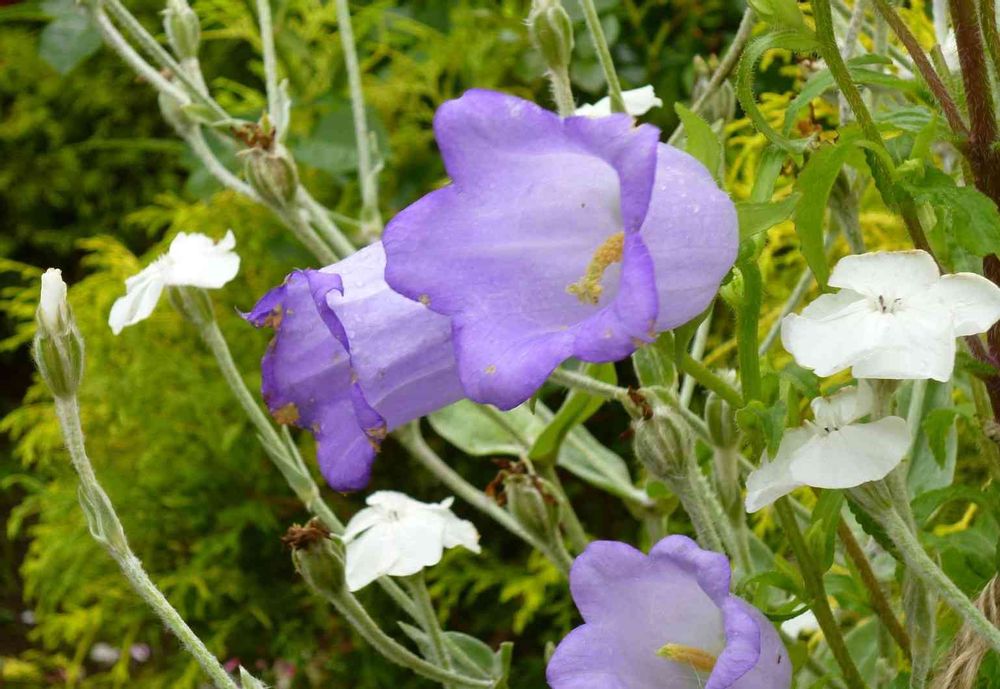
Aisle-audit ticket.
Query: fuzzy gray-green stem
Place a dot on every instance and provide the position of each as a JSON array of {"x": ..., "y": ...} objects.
[
  {"x": 67, "y": 409},
  {"x": 429, "y": 621},
  {"x": 593, "y": 22}
]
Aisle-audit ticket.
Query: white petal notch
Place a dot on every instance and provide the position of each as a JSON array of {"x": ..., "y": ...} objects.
[
  {"x": 193, "y": 260},
  {"x": 399, "y": 536},
  {"x": 895, "y": 317},
  {"x": 834, "y": 450},
  {"x": 637, "y": 103}
]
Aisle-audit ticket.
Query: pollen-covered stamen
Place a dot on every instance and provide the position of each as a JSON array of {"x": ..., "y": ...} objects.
[
  {"x": 696, "y": 658},
  {"x": 588, "y": 289}
]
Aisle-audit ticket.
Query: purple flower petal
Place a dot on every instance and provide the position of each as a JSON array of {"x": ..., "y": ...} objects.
[
  {"x": 553, "y": 242},
  {"x": 533, "y": 198},
  {"x": 352, "y": 360},
  {"x": 634, "y": 605}
]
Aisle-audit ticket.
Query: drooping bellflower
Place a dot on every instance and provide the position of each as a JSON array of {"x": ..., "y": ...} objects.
[
  {"x": 895, "y": 317},
  {"x": 666, "y": 619},
  {"x": 351, "y": 360},
  {"x": 557, "y": 238}
]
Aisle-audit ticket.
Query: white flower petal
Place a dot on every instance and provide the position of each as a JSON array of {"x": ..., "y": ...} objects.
[
  {"x": 362, "y": 521},
  {"x": 773, "y": 478},
  {"x": 832, "y": 333},
  {"x": 915, "y": 342},
  {"x": 460, "y": 532},
  {"x": 142, "y": 291},
  {"x": 806, "y": 623},
  {"x": 371, "y": 555},
  {"x": 52, "y": 302},
  {"x": 853, "y": 455},
  {"x": 637, "y": 102},
  {"x": 196, "y": 261},
  {"x": 973, "y": 301},
  {"x": 420, "y": 543},
  {"x": 890, "y": 274},
  {"x": 843, "y": 407}
]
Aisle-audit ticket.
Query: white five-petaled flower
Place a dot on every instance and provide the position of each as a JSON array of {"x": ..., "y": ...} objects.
[
  {"x": 193, "y": 260},
  {"x": 399, "y": 536},
  {"x": 52, "y": 309},
  {"x": 637, "y": 102},
  {"x": 833, "y": 450},
  {"x": 895, "y": 317}
]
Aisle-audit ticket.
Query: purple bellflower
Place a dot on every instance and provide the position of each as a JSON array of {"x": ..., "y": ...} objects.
[
  {"x": 664, "y": 620},
  {"x": 557, "y": 238},
  {"x": 351, "y": 360}
]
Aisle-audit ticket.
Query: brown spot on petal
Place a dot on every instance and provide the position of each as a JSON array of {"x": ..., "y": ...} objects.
[
  {"x": 376, "y": 435},
  {"x": 287, "y": 414},
  {"x": 490, "y": 370},
  {"x": 273, "y": 319},
  {"x": 425, "y": 299}
]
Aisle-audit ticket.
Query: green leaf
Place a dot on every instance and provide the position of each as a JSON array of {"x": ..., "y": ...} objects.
[
  {"x": 780, "y": 13},
  {"x": 653, "y": 362},
  {"x": 814, "y": 185},
  {"x": 821, "y": 536},
  {"x": 937, "y": 426},
  {"x": 702, "y": 142},
  {"x": 70, "y": 38},
  {"x": 485, "y": 432},
  {"x": 963, "y": 212},
  {"x": 575, "y": 410},
  {"x": 759, "y": 217}
]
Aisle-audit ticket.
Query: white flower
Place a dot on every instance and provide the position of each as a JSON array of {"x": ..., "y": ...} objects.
[
  {"x": 193, "y": 261},
  {"x": 832, "y": 451},
  {"x": 896, "y": 317},
  {"x": 806, "y": 623},
  {"x": 637, "y": 102},
  {"x": 52, "y": 309},
  {"x": 399, "y": 536}
]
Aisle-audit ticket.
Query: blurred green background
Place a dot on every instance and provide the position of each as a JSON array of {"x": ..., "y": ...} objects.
[{"x": 91, "y": 181}]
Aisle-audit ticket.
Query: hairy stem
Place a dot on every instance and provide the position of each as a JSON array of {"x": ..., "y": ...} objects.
[
  {"x": 593, "y": 22},
  {"x": 429, "y": 621},
  {"x": 701, "y": 373}
]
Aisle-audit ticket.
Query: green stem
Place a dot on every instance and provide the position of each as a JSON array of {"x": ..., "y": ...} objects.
[
  {"x": 114, "y": 40},
  {"x": 304, "y": 232},
  {"x": 584, "y": 383},
  {"x": 270, "y": 59},
  {"x": 411, "y": 438},
  {"x": 283, "y": 454},
  {"x": 747, "y": 318},
  {"x": 710, "y": 380},
  {"x": 429, "y": 621},
  {"x": 921, "y": 564},
  {"x": 321, "y": 216},
  {"x": 358, "y": 617},
  {"x": 562, "y": 91},
  {"x": 371, "y": 218},
  {"x": 104, "y": 521},
  {"x": 570, "y": 520},
  {"x": 816, "y": 591},
  {"x": 593, "y": 22}
]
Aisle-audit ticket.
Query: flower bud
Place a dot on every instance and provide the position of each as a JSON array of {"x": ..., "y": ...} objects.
[
  {"x": 532, "y": 503},
  {"x": 551, "y": 32},
  {"x": 58, "y": 347},
  {"x": 183, "y": 29},
  {"x": 318, "y": 557},
  {"x": 663, "y": 443},
  {"x": 271, "y": 173}
]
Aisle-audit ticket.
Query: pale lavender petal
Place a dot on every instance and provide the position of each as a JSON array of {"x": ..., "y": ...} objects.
[
  {"x": 692, "y": 233},
  {"x": 352, "y": 366},
  {"x": 773, "y": 667},
  {"x": 533, "y": 198}
]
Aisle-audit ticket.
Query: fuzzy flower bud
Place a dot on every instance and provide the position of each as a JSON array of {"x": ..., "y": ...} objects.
[
  {"x": 317, "y": 557},
  {"x": 271, "y": 173},
  {"x": 531, "y": 502},
  {"x": 58, "y": 347},
  {"x": 551, "y": 32},
  {"x": 720, "y": 418},
  {"x": 183, "y": 29},
  {"x": 663, "y": 443}
]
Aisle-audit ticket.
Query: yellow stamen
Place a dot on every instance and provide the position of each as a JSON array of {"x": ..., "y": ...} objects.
[
  {"x": 700, "y": 660},
  {"x": 588, "y": 289}
]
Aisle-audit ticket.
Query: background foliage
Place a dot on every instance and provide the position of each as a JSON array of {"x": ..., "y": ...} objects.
[{"x": 92, "y": 180}]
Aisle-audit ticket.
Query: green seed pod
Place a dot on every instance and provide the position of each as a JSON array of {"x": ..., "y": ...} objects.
[
  {"x": 272, "y": 174},
  {"x": 663, "y": 443},
  {"x": 183, "y": 29},
  {"x": 531, "y": 503},
  {"x": 551, "y": 32}
]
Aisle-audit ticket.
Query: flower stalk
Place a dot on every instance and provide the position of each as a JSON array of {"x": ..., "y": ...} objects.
[{"x": 593, "y": 22}]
